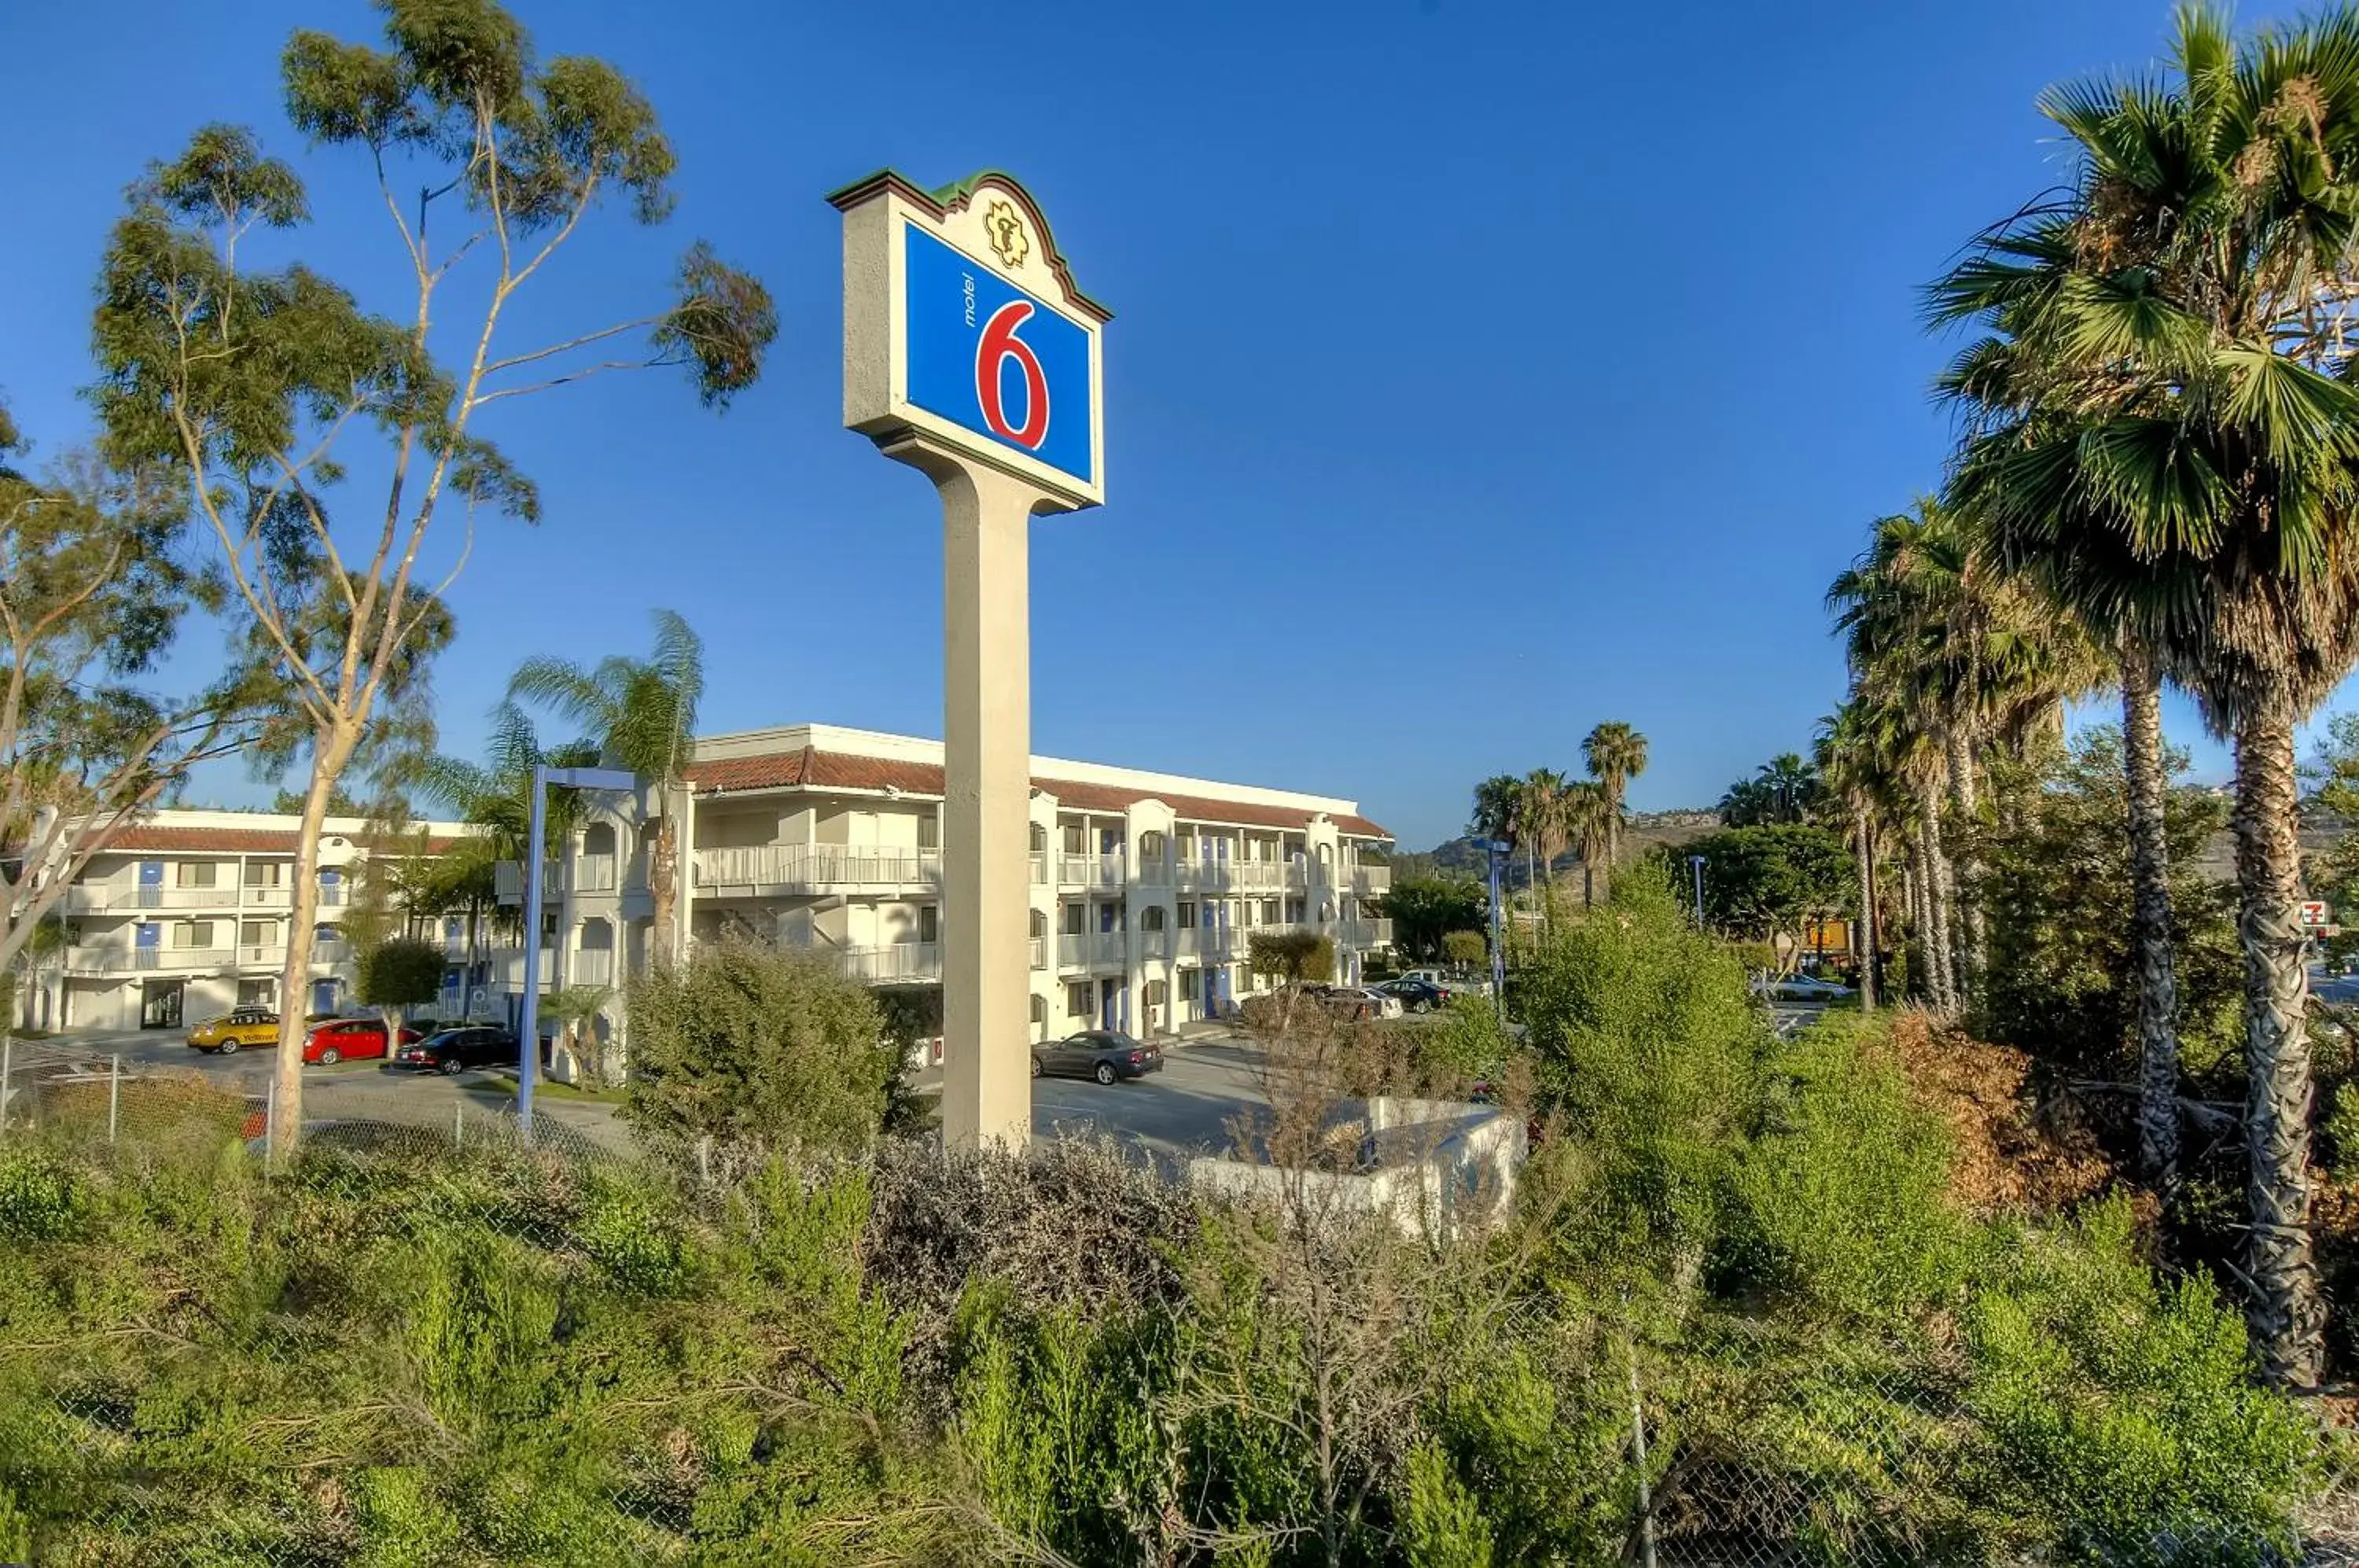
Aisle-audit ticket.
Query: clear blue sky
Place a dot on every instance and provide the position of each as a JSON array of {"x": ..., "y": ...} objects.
[{"x": 1480, "y": 370}]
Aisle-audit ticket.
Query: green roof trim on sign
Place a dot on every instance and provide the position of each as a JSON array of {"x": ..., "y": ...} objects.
[{"x": 942, "y": 201}]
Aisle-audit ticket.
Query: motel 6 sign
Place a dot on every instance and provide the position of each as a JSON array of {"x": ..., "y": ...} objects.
[{"x": 963, "y": 327}]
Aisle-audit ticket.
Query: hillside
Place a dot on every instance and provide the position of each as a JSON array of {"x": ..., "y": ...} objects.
[{"x": 1642, "y": 833}]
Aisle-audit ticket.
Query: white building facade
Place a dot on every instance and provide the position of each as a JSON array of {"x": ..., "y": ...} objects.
[
  {"x": 184, "y": 915},
  {"x": 1144, "y": 887}
]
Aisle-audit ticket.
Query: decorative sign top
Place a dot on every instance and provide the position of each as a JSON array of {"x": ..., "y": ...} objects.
[{"x": 962, "y": 328}]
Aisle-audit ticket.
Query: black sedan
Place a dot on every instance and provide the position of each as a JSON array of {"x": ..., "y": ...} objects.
[
  {"x": 1416, "y": 996},
  {"x": 457, "y": 1050},
  {"x": 1102, "y": 1054}
]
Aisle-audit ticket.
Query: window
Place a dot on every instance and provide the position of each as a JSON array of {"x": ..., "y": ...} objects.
[
  {"x": 1269, "y": 911},
  {"x": 1294, "y": 908},
  {"x": 256, "y": 992},
  {"x": 1039, "y": 925},
  {"x": 1151, "y": 918},
  {"x": 1188, "y": 914},
  {"x": 1040, "y": 1008},
  {"x": 929, "y": 922},
  {"x": 1192, "y": 984},
  {"x": 1150, "y": 848},
  {"x": 929, "y": 830},
  {"x": 265, "y": 873},
  {"x": 1076, "y": 917},
  {"x": 1077, "y": 999},
  {"x": 1075, "y": 840},
  {"x": 1039, "y": 839},
  {"x": 194, "y": 873},
  {"x": 1156, "y": 993},
  {"x": 255, "y": 933},
  {"x": 193, "y": 934}
]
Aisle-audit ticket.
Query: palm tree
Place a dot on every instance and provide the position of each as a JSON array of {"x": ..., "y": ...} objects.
[
  {"x": 1543, "y": 812},
  {"x": 1588, "y": 822},
  {"x": 1850, "y": 772},
  {"x": 1615, "y": 754},
  {"x": 2165, "y": 421},
  {"x": 641, "y": 715},
  {"x": 1497, "y": 801}
]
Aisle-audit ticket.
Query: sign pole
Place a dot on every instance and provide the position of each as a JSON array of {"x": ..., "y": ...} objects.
[
  {"x": 986, "y": 798},
  {"x": 969, "y": 354}
]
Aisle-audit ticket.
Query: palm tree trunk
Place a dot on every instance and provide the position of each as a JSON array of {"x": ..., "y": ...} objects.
[
  {"x": 1940, "y": 956},
  {"x": 663, "y": 876},
  {"x": 1912, "y": 905},
  {"x": 2150, "y": 918},
  {"x": 1972, "y": 937},
  {"x": 1863, "y": 837},
  {"x": 2286, "y": 1315}
]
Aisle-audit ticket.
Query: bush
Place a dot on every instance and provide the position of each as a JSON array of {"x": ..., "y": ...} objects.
[{"x": 758, "y": 1049}]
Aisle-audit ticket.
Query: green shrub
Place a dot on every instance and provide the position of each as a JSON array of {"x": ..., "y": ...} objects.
[
  {"x": 39, "y": 1199},
  {"x": 2118, "y": 1413}
]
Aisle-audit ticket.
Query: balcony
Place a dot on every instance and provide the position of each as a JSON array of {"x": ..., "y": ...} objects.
[
  {"x": 1204, "y": 876},
  {"x": 1090, "y": 872},
  {"x": 901, "y": 961},
  {"x": 1039, "y": 868},
  {"x": 1214, "y": 942},
  {"x": 508, "y": 881},
  {"x": 594, "y": 874},
  {"x": 1154, "y": 943},
  {"x": 1039, "y": 945},
  {"x": 98, "y": 897},
  {"x": 253, "y": 956},
  {"x": 115, "y": 958},
  {"x": 590, "y": 966},
  {"x": 1364, "y": 934},
  {"x": 1090, "y": 950},
  {"x": 1264, "y": 875},
  {"x": 816, "y": 868},
  {"x": 266, "y": 896},
  {"x": 1155, "y": 872}
]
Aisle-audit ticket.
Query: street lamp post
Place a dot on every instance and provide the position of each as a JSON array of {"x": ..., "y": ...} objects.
[
  {"x": 529, "y": 1047},
  {"x": 1696, "y": 861},
  {"x": 1495, "y": 854}
]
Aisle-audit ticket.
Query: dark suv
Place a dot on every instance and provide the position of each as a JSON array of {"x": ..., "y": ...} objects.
[{"x": 457, "y": 1050}]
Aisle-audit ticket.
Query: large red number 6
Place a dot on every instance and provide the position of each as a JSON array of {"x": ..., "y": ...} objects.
[{"x": 1000, "y": 344}]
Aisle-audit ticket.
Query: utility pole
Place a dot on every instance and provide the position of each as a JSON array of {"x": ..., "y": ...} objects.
[
  {"x": 1494, "y": 856},
  {"x": 1696, "y": 861}
]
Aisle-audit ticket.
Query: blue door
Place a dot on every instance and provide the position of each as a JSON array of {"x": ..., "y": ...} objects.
[
  {"x": 332, "y": 885},
  {"x": 148, "y": 938},
  {"x": 323, "y": 995},
  {"x": 151, "y": 884}
]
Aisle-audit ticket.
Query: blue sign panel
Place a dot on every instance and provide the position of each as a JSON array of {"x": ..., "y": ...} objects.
[{"x": 992, "y": 359}]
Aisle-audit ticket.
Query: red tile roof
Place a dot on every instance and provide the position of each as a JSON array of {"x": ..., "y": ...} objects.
[
  {"x": 224, "y": 840},
  {"x": 812, "y": 769}
]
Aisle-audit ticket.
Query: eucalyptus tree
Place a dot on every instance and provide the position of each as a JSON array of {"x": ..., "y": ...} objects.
[
  {"x": 94, "y": 583},
  {"x": 2166, "y": 427},
  {"x": 269, "y": 388},
  {"x": 640, "y": 713},
  {"x": 1615, "y": 754}
]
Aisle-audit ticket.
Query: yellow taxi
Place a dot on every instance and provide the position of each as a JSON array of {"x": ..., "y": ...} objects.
[{"x": 243, "y": 1027}]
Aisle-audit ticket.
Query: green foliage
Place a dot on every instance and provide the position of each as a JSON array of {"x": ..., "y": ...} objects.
[
  {"x": 1425, "y": 910},
  {"x": 39, "y": 1201},
  {"x": 759, "y": 1050},
  {"x": 1466, "y": 949},
  {"x": 2118, "y": 1412},
  {"x": 2063, "y": 983},
  {"x": 403, "y": 972},
  {"x": 1759, "y": 881},
  {"x": 1786, "y": 789},
  {"x": 1291, "y": 956}
]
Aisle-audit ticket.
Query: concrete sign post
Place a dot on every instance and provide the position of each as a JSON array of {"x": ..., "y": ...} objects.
[{"x": 969, "y": 355}]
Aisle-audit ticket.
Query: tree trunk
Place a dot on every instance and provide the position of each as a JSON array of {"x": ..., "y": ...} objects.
[
  {"x": 1973, "y": 938},
  {"x": 1940, "y": 956},
  {"x": 1863, "y": 837},
  {"x": 1912, "y": 905},
  {"x": 2151, "y": 919},
  {"x": 330, "y": 752},
  {"x": 663, "y": 877},
  {"x": 1588, "y": 884},
  {"x": 2286, "y": 1315}
]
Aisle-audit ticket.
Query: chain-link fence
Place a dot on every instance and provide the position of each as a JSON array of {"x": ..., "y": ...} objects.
[{"x": 186, "y": 1438}]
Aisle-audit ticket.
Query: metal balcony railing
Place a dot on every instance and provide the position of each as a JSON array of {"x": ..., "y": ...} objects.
[
  {"x": 590, "y": 966},
  {"x": 1090, "y": 871},
  {"x": 1090, "y": 950}
]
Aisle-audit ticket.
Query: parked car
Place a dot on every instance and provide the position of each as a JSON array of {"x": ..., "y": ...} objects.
[
  {"x": 349, "y": 1039},
  {"x": 256, "y": 1027},
  {"x": 1470, "y": 985},
  {"x": 1809, "y": 988},
  {"x": 1102, "y": 1054},
  {"x": 1417, "y": 996},
  {"x": 1360, "y": 1002},
  {"x": 459, "y": 1049}
]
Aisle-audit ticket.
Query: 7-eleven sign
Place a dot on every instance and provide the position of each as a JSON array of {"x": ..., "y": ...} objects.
[{"x": 2314, "y": 913}]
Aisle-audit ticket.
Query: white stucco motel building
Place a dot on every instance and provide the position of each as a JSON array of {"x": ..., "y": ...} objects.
[
  {"x": 183, "y": 915},
  {"x": 1144, "y": 886}
]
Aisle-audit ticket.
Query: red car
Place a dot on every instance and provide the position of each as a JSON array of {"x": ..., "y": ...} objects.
[{"x": 349, "y": 1039}]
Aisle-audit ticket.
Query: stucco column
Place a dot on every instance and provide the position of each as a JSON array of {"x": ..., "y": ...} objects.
[{"x": 986, "y": 814}]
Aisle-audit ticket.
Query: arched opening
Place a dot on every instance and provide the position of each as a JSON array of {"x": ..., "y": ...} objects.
[
  {"x": 597, "y": 869},
  {"x": 594, "y": 958},
  {"x": 1039, "y": 929},
  {"x": 1151, "y": 918},
  {"x": 1039, "y": 839}
]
